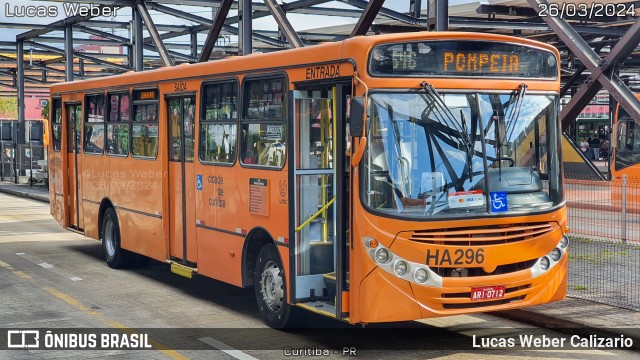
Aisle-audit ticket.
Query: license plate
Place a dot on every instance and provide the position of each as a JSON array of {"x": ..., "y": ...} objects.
[{"x": 487, "y": 292}]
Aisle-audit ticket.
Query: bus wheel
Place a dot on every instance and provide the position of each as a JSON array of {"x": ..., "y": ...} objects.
[
  {"x": 271, "y": 289},
  {"x": 116, "y": 257}
]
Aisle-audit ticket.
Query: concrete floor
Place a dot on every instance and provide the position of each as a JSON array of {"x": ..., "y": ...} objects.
[{"x": 53, "y": 278}]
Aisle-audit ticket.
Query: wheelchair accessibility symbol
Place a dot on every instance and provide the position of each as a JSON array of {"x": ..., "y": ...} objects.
[
  {"x": 198, "y": 182},
  {"x": 499, "y": 201}
]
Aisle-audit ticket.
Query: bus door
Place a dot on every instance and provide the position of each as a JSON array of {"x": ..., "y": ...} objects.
[
  {"x": 320, "y": 228},
  {"x": 181, "y": 125},
  {"x": 73, "y": 113}
]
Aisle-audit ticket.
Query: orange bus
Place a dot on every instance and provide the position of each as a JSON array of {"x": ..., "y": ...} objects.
[
  {"x": 378, "y": 179},
  {"x": 626, "y": 150}
]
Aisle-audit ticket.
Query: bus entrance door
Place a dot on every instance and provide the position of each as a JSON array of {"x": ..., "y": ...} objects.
[
  {"x": 75, "y": 216},
  {"x": 181, "y": 120},
  {"x": 317, "y": 218}
]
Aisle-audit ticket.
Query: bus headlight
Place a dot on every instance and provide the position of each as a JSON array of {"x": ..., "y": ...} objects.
[
  {"x": 401, "y": 268},
  {"x": 414, "y": 272},
  {"x": 382, "y": 255},
  {"x": 555, "y": 254},
  {"x": 564, "y": 242},
  {"x": 544, "y": 263},
  {"x": 421, "y": 276}
]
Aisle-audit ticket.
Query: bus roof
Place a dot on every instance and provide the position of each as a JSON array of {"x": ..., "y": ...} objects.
[{"x": 274, "y": 61}]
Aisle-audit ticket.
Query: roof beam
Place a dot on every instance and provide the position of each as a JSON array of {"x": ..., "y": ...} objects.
[
  {"x": 79, "y": 55},
  {"x": 284, "y": 24},
  {"x": 155, "y": 35},
  {"x": 394, "y": 15},
  {"x": 366, "y": 19},
  {"x": 213, "y": 34}
]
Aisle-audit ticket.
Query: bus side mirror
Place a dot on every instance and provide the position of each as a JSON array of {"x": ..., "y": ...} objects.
[{"x": 357, "y": 116}]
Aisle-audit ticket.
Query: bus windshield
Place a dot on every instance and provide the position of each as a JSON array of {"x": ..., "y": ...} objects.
[{"x": 432, "y": 155}]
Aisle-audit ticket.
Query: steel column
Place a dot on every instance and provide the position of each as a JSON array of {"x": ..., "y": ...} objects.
[
  {"x": 442, "y": 15},
  {"x": 81, "y": 68},
  {"x": 155, "y": 35},
  {"x": 193, "y": 42},
  {"x": 283, "y": 24},
  {"x": 214, "y": 32},
  {"x": 415, "y": 8},
  {"x": 368, "y": 16},
  {"x": 138, "y": 51},
  {"x": 44, "y": 75},
  {"x": 245, "y": 45},
  {"x": 68, "y": 52},
  {"x": 20, "y": 84}
]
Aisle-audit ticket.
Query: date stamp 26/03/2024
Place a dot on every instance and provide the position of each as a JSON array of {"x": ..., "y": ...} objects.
[{"x": 590, "y": 11}]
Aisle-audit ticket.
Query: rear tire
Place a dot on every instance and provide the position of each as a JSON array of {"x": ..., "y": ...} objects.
[
  {"x": 271, "y": 289},
  {"x": 115, "y": 256}
]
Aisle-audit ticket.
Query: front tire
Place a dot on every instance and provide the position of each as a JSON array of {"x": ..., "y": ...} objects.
[
  {"x": 271, "y": 289},
  {"x": 115, "y": 256}
]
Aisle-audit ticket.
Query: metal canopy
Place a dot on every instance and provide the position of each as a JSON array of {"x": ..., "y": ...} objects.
[{"x": 593, "y": 51}]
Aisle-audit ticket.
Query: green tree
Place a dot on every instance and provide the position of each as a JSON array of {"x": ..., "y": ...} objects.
[
  {"x": 45, "y": 110},
  {"x": 9, "y": 107}
]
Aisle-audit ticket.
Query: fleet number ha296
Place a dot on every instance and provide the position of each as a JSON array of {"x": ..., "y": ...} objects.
[{"x": 439, "y": 257}]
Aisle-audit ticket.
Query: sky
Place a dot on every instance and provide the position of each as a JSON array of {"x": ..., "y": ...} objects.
[{"x": 300, "y": 22}]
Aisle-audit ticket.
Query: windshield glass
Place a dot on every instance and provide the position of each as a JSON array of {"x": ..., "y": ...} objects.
[{"x": 447, "y": 155}]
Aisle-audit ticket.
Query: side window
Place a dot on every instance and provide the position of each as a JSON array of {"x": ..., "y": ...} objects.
[
  {"x": 218, "y": 127},
  {"x": 118, "y": 124},
  {"x": 56, "y": 123},
  {"x": 622, "y": 136},
  {"x": 144, "y": 125},
  {"x": 263, "y": 122},
  {"x": 94, "y": 124}
]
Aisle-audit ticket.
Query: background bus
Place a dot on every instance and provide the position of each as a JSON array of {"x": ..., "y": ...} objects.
[
  {"x": 382, "y": 178},
  {"x": 627, "y": 145}
]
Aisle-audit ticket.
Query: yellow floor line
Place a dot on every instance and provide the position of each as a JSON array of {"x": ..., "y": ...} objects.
[
  {"x": 23, "y": 275},
  {"x": 114, "y": 324},
  {"x": 4, "y": 264}
]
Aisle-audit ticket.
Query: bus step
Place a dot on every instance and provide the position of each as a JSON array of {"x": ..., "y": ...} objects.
[
  {"x": 182, "y": 270},
  {"x": 319, "y": 307}
]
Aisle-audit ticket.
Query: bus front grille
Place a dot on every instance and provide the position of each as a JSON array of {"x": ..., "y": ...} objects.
[
  {"x": 471, "y": 305},
  {"x": 478, "y": 271},
  {"x": 483, "y": 235}
]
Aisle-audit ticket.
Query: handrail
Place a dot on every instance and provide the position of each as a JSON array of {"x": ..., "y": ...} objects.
[{"x": 316, "y": 214}]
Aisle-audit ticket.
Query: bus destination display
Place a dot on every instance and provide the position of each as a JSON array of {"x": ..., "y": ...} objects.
[{"x": 462, "y": 58}]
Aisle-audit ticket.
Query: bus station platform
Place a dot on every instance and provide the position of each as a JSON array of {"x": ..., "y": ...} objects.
[{"x": 573, "y": 315}]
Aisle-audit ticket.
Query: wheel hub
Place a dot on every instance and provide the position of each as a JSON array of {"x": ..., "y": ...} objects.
[
  {"x": 109, "y": 238},
  {"x": 271, "y": 286}
]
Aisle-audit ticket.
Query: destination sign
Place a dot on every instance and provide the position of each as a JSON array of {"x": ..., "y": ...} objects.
[
  {"x": 146, "y": 94},
  {"x": 462, "y": 58}
]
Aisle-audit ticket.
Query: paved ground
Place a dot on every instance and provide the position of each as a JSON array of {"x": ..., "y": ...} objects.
[{"x": 51, "y": 278}]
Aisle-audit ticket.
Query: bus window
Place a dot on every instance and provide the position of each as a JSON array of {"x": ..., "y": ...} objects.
[
  {"x": 144, "y": 128},
  {"x": 631, "y": 140},
  {"x": 56, "y": 123},
  {"x": 263, "y": 128},
  {"x": 74, "y": 121},
  {"x": 218, "y": 128},
  {"x": 94, "y": 125},
  {"x": 622, "y": 136},
  {"x": 118, "y": 125}
]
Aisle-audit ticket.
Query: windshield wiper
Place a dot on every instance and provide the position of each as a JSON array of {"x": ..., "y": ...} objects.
[
  {"x": 511, "y": 117},
  {"x": 451, "y": 121},
  {"x": 514, "y": 112}
]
